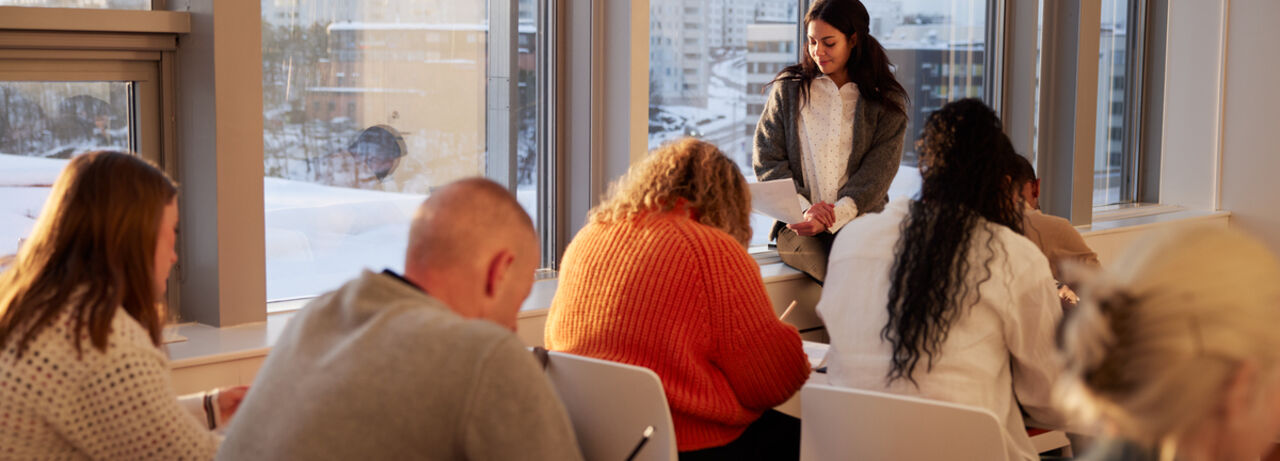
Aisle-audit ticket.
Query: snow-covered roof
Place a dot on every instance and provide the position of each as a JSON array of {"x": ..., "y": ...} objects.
[{"x": 933, "y": 36}]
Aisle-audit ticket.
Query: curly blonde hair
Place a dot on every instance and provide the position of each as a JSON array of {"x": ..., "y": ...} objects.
[{"x": 689, "y": 173}]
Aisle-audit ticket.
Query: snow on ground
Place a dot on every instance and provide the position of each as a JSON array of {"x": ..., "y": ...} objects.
[
  {"x": 317, "y": 237},
  {"x": 19, "y": 207},
  {"x": 726, "y": 103},
  {"x": 18, "y": 170},
  {"x": 24, "y": 185}
]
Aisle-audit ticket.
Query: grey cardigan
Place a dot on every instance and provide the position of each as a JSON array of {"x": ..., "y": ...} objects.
[{"x": 878, "y": 133}]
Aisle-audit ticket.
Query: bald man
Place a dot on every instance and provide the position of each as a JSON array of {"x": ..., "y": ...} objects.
[{"x": 424, "y": 366}]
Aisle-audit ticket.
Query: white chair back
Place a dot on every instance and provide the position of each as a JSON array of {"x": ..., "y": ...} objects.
[
  {"x": 843, "y": 423},
  {"x": 610, "y": 405}
]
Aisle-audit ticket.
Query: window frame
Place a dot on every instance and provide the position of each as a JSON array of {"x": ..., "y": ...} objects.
[
  {"x": 92, "y": 45},
  {"x": 549, "y": 207},
  {"x": 1144, "y": 115},
  {"x": 502, "y": 124},
  {"x": 1070, "y": 36},
  {"x": 596, "y": 57}
]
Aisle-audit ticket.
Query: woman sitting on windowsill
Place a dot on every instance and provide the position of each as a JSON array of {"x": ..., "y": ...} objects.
[
  {"x": 660, "y": 278},
  {"x": 80, "y": 325}
]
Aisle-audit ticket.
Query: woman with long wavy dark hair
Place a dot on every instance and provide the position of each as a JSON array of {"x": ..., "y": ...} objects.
[
  {"x": 942, "y": 297},
  {"x": 834, "y": 125}
]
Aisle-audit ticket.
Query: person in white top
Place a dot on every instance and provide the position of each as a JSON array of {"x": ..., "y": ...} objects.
[
  {"x": 834, "y": 125},
  {"x": 80, "y": 325},
  {"x": 941, "y": 297}
]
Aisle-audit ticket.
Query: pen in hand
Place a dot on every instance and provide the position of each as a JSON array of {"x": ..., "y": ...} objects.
[
  {"x": 648, "y": 432},
  {"x": 783, "y": 317}
]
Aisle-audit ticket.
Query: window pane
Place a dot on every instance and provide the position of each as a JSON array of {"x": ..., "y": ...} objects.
[
  {"x": 710, "y": 63},
  {"x": 708, "y": 66},
  {"x": 939, "y": 50},
  {"x": 368, "y": 106},
  {"x": 527, "y": 82},
  {"x": 103, "y": 4},
  {"x": 1110, "y": 179},
  {"x": 42, "y": 124}
]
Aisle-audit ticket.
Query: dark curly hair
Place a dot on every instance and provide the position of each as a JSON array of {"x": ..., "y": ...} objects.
[
  {"x": 965, "y": 158},
  {"x": 868, "y": 64}
]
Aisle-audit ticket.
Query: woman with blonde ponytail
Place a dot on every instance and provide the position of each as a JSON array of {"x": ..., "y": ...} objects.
[{"x": 1174, "y": 351}]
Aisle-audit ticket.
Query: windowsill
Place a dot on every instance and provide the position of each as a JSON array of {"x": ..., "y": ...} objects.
[
  {"x": 764, "y": 254},
  {"x": 206, "y": 344},
  {"x": 1137, "y": 217},
  {"x": 1131, "y": 210}
]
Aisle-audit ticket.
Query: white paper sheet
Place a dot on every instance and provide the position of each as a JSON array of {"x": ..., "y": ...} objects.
[
  {"x": 777, "y": 199},
  {"x": 817, "y": 353}
]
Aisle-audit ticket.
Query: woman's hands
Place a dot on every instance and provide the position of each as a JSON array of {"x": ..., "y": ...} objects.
[
  {"x": 229, "y": 399},
  {"x": 817, "y": 218}
]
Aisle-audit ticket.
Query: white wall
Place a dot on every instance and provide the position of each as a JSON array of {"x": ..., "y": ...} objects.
[
  {"x": 1251, "y": 150},
  {"x": 1193, "y": 80}
]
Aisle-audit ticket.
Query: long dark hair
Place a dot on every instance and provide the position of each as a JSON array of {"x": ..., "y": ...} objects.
[
  {"x": 92, "y": 251},
  {"x": 868, "y": 63},
  {"x": 965, "y": 158}
]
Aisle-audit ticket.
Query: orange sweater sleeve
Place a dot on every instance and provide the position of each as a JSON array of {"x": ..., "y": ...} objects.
[{"x": 761, "y": 357}]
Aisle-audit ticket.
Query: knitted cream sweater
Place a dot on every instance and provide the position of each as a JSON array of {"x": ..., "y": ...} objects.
[{"x": 113, "y": 404}]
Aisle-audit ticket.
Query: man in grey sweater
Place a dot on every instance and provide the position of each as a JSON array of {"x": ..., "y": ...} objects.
[{"x": 424, "y": 366}]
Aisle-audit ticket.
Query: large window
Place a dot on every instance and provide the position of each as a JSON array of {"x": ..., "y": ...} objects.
[
  {"x": 710, "y": 64},
  {"x": 56, "y": 106},
  {"x": 368, "y": 106},
  {"x": 42, "y": 124},
  {"x": 1118, "y": 168}
]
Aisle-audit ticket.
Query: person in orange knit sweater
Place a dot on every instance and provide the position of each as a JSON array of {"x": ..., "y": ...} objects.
[{"x": 660, "y": 278}]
